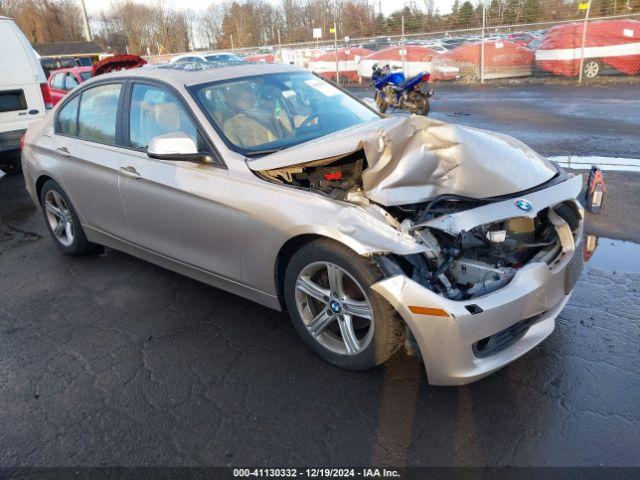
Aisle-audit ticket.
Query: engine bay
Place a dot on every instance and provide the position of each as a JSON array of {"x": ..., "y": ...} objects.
[{"x": 470, "y": 264}]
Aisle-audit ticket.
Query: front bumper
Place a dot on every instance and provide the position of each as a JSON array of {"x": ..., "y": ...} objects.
[{"x": 537, "y": 292}]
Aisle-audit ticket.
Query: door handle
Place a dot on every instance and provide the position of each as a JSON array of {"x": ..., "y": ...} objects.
[
  {"x": 64, "y": 151},
  {"x": 130, "y": 172}
]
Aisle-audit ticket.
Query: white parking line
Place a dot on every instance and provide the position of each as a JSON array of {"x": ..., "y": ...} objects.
[{"x": 616, "y": 164}]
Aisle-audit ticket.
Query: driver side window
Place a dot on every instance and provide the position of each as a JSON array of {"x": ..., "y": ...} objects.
[{"x": 154, "y": 111}]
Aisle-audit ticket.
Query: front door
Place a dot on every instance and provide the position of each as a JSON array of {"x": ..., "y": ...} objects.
[{"x": 181, "y": 210}]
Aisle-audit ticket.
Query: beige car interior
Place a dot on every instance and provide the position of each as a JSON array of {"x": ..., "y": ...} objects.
[{"x": 150, "y": 119}]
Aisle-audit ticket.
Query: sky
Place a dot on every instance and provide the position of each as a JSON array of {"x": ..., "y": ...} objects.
[{"x": 388, "y": 6}]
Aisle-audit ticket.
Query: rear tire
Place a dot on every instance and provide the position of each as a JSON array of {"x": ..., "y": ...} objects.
[
  {"x": 380, "y": 102},
  {"x": 421, "y": 105},
  {"x": 63, "y": 222},
  {"x": 342, "y": 319}
]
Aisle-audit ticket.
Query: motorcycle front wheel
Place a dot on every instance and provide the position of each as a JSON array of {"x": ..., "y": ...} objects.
[{"x": 380, "y": 102}]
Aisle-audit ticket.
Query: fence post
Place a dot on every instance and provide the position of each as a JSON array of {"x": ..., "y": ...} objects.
[
  {"x": 404, "y": 51},
  {"x": 484, "y": 25},
  {"x": 335, "y": 45},
  {"x": 280, "y": 47},
  {"x": 584, "y": 39}
]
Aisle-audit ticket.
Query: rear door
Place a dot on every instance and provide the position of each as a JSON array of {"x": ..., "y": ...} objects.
[
  {"x": 86, "y": 143},
  {"x": 20, "y": 77}
]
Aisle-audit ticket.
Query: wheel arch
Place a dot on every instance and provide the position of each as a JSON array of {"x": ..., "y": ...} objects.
[
  {"x": 287, "y": 250},
  {"x": 42, "y": 179},
  {"x": 295, "y": 243}
]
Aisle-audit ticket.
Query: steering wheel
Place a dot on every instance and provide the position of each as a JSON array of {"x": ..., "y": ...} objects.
[{"x": 310, "y": 117}]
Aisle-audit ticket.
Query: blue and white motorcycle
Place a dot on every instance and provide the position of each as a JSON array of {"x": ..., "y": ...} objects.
[{"x": 394, "y": 90}]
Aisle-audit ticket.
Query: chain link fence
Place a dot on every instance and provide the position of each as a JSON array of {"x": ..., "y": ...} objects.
[{"x": 605, "y": 49}]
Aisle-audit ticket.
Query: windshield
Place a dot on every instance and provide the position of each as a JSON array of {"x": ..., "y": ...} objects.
[
  {"x": 262, "y": 114},
  {"x": 223, "y": 58}
]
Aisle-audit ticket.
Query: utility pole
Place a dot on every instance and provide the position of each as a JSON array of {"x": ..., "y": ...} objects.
[
  {"x": 85, "y": 22},
  {"x": 584, "y": 37}
]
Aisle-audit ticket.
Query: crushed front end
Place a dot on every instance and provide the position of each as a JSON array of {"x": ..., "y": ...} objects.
[
  {"x": 492, "y": 282},
  {"x": 481, "y": 234}
]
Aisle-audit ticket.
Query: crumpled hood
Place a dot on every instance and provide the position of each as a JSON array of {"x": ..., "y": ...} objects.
[{"x": 413, "y": 159}]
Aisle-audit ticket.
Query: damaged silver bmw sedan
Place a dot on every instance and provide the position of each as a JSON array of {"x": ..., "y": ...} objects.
[{"x": 374, "y": 232}]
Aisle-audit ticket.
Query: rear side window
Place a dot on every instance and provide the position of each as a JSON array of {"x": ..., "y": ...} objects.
[
  {"x": 58, "y": 81},
  {"x": 12, "y": 100},
  {"x": 70, "y": 82},
  {"x": 68, "y": 118},
  {"x": 190, "y": 60},
  {"x": 85, "y": 76},
  {"x": 98, "y": 113}
]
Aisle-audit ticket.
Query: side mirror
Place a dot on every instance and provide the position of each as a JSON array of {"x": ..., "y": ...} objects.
[{"x": 176, "y": 146}]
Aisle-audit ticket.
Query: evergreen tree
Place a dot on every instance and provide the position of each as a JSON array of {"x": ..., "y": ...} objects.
[
  {"x": 466, "y": 18},
  {"x": 530, "y": 11}
]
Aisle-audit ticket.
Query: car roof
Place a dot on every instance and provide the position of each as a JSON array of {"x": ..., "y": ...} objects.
[
  {"x": 71, "y": 69},
  {"x": 187, "y": 55},
  {"x": 192, "y": 74}
]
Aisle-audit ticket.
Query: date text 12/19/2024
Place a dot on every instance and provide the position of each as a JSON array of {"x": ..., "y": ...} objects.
[{"x": 315, "y": 473}]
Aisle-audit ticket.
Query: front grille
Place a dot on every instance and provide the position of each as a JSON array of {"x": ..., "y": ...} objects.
[{"x": 503, "y": 339}]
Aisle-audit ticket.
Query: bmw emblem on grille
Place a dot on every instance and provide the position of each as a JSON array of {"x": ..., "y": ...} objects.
[{"x": 523, "y": 204}]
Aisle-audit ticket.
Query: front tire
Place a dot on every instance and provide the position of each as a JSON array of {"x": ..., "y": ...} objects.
[
  {"x": 62, "y": 221},
  {"x": 591, "y": 69},
  {"x": 328, "y": 293}
]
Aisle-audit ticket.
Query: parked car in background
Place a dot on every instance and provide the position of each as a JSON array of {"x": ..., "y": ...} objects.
[
  {"x": 434, "y": 45},
  {"x": 377, "y": 43},
  {"x": 218, "y": 57},
  {"x": 262, "y": 58},
  {"x": 522, "y": 39},
  {"x": 66, "y": 79},
  {"x": 611, "y": 46},
  {"x": 24, "y": 92},
  {"x": 452, "y": 42},
  {"x": 373, "y": 232},
  {"x": 502, "y": 59}
]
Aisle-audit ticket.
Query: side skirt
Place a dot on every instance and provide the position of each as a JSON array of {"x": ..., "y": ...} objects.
[{"x": 204, "y": 276}]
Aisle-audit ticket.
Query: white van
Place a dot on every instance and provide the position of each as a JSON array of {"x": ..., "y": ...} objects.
[{"x": 24, "y": 92}]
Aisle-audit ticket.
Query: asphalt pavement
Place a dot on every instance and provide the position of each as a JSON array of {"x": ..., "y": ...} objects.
[
  {"x": 107, "y": 360},
  {"x": 559, "y": 119}
]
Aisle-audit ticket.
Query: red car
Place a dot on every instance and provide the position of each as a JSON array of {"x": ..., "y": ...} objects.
[{"x": 65, "y": 79}]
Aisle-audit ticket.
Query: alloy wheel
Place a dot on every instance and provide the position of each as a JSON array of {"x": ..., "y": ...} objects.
[
  {"x": 591, "y": 69},
  {"x": 334, "y": 308},
  {"x": 59, "y": 218}
]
